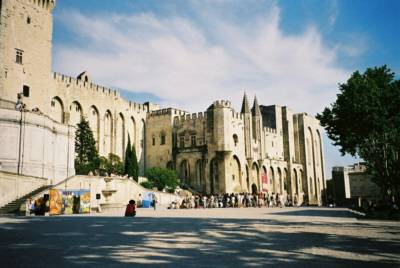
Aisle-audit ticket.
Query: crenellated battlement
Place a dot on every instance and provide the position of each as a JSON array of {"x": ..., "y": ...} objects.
[
  {"x": 269, "y": 130},
  {"x": 222, "y": 104},
  {"x": 45, "y": 4},
  {"x": 71, "y": 82},
  {"x": 236, "y": 115},
  {"x": 190, "y": 118},
  {"x": 167, "y": 112}
]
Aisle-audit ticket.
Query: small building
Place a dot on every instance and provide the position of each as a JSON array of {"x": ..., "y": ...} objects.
[{"x": 353, "y": 182}]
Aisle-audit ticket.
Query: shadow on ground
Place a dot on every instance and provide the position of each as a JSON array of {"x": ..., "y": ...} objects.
[
  {"x": 189, "y": 242},
  {"x": 337, "y": 213}
]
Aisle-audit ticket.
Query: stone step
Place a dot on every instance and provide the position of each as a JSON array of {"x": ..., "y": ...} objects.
[{"x": 16, "y": 204}]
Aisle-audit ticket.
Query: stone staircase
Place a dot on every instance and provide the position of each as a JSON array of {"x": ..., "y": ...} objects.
[{"x": 13, "y": 207}]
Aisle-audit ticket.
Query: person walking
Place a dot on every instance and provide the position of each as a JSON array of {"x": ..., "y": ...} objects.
[{"x": 154, "y": 202}]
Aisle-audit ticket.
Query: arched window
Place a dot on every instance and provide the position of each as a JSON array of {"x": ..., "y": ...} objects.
[
  {"x": 235, "y": 139},
  {"x": 120, "y": 136},
  {"x": 75, "y": 113},
  {"x": 108, "y": 130},
  {"x": 57, "y": 110},
  {"x": 94, "y": 123}
]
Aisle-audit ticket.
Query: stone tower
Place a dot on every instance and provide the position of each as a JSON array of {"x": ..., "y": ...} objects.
[
  {"x": 257, "y": 128},
  {"x": 245, "y": 111},
  {"x": 25, "y": 50}
]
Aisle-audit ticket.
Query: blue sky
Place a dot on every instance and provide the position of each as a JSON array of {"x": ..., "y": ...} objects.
[{"x": 189, "y": 53}]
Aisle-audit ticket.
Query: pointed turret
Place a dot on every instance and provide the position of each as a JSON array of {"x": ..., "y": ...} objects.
[
  {"x": 255, "y": 111},
  {"x": 245, "y": 105}
]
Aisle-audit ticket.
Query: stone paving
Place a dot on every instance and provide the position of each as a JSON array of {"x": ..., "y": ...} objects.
[{"x": 259, "y": 237}]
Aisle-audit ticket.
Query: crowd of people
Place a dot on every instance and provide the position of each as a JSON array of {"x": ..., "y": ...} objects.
[{"x": 235, "y": 200}]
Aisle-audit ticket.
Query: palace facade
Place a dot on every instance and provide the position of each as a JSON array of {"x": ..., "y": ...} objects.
[{"x": 261, "y": 148}]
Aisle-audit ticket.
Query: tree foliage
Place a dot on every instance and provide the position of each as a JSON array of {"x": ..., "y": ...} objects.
[
  {"x": 162, "y": 178},
  {"x": 86, "y": 155},
  {"x": 111, "y": 165},
  {"x": 365, "y": 121},
  {"x": 131, "y": 167}
]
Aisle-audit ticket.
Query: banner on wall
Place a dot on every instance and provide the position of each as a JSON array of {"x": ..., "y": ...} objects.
[
  {"x": 264, "y": 179},
  {"x": 56, "y": 202}
]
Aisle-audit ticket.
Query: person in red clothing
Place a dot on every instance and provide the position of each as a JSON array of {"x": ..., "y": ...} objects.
[{"x": 130, "y": 209}]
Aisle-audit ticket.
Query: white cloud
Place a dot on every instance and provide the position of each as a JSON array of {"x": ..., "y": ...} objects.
[{"x": 177, "y": 60}]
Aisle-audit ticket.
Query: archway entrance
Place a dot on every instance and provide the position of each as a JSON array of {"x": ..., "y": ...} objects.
[
  {"x": 184, "y": 172},
  {"x": 254, "y": 188}
]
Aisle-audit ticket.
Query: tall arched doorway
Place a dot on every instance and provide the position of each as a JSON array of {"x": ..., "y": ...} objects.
[
  {"x": 199, "y": 175},
  {"x": 279, "y": 182},
  {"x": 255, "y": 174},
  {"x": 184, "y": 172},
  {"x": 286, "y": 183},
  {"x": 296, "y": 180},
  {"x": 254, "y": 188},
  {"x": 272, "y": 178},
  {"x": 236, "y": 171},
  {"x": 247, "y": 178}
]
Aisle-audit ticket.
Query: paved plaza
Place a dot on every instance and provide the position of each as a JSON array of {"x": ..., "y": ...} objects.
[{"x": 259, "y": 237}]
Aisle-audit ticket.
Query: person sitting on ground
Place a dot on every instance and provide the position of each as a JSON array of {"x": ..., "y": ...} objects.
[{"x": 130, "y": 209}]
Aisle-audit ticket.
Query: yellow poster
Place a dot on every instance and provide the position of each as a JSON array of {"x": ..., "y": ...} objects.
[{"x": 55, "y": 202}]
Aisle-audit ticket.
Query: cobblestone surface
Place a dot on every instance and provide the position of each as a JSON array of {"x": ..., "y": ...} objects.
[{"x": 312, "y": 237}]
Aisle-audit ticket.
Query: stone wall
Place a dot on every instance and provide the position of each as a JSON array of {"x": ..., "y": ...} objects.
[
  {"x": 34, "y": 145},
  {"x": 14, "y": 186},
  {"x": 125, "y": 189}
]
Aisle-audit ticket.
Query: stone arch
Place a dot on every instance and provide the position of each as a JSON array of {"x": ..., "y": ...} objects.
[
  {"x": 119, "y": 136},
  {"x": 57, "y": 109},
  {"x": 286, "y": 182},
  {"x": 184, "y": 172},
  {"x": 272, "y": 179},
  {"x": 254, "y": 189},
  {"x": 303, "y": 181},
  {"x": 264, "y": 179},
  {"x": 108, "y": 133},
  {"x": 279, "y": 182},
  {"x": 236, "y": 170},
  {"x": 214, "y": 176},
  {"x": 131, "y": 129},
  {"x": 199, "y": 175},
  {"x": 75, "y": 113},
  {"x": 93, "y": 117},
  {"x": 255, "y": 173},
  {"x": 296, "y": 181},
  {"x": 247, "y": 178}
]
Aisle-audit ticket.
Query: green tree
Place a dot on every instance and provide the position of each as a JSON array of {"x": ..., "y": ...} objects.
[
  {"x": 162, "y": 178},
  {"x": 365, "y": 122},
  {"x": 147, "y": 184},
  {"x": 111, "y": 165},
  {"x": 86, "y": 155},
  {"x": 131, "y": 167}
]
